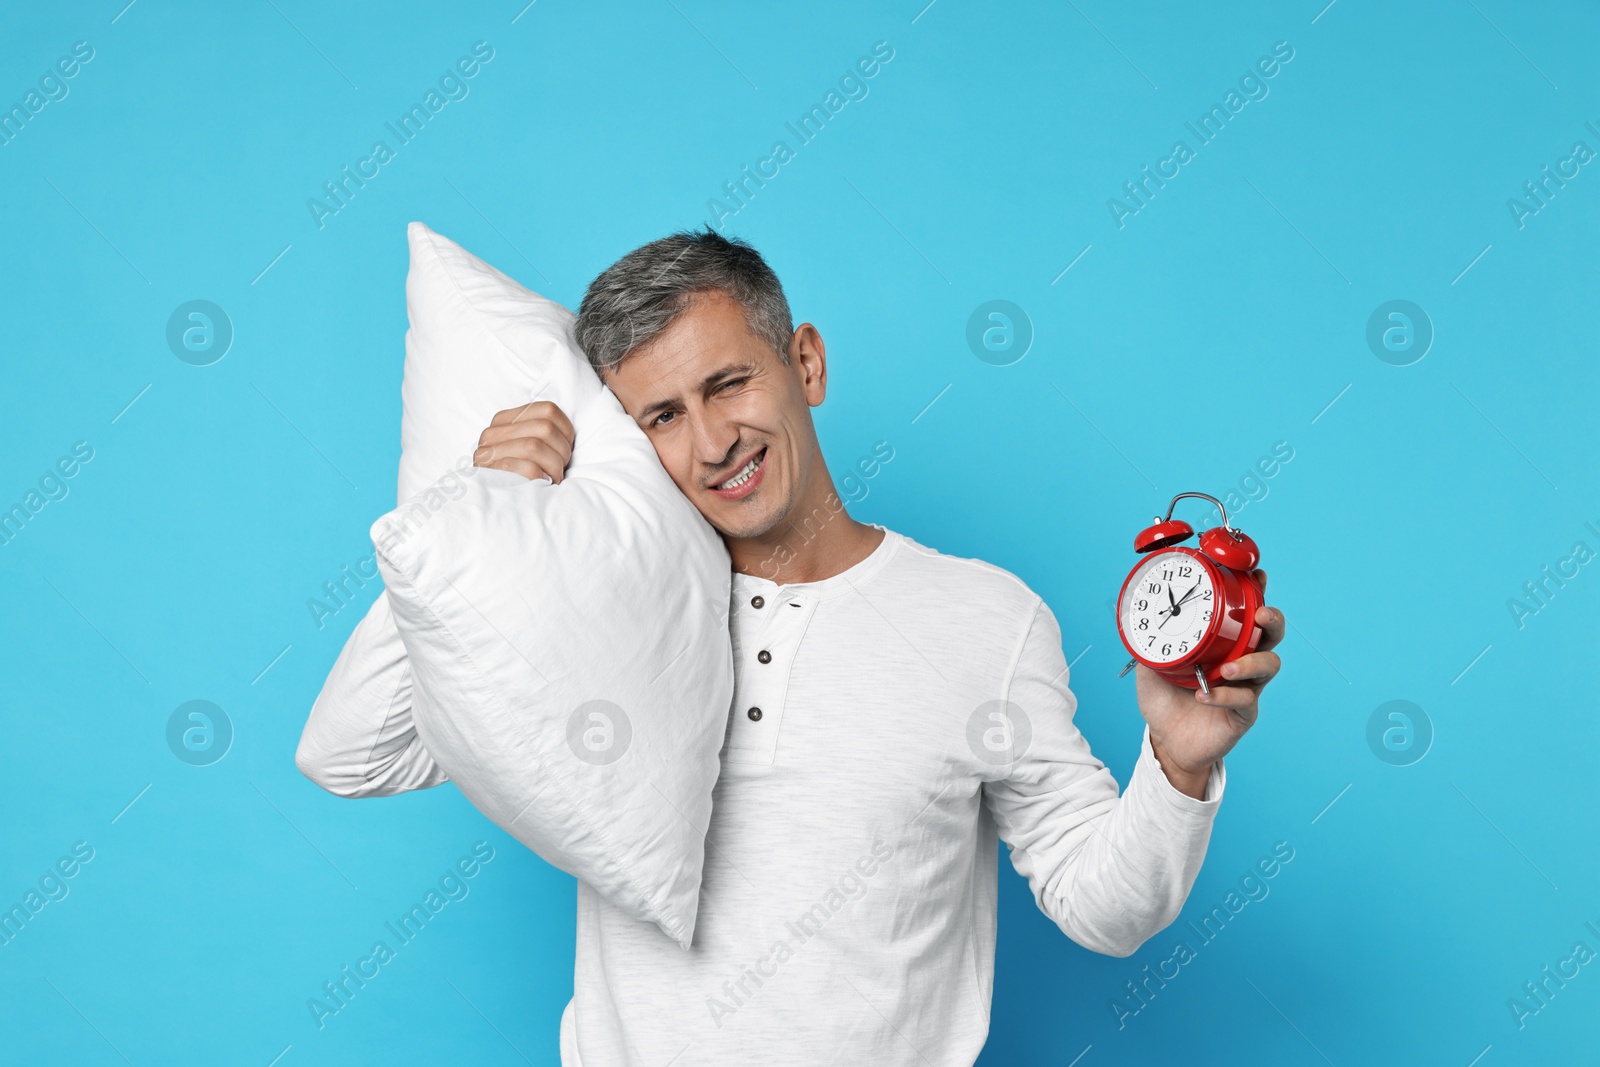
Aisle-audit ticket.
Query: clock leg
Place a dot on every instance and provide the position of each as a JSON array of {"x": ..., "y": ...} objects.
[{"x": 1200, "y": 676}]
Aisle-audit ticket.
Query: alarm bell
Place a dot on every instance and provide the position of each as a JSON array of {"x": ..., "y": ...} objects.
[{"x": 1232, "y": 548}]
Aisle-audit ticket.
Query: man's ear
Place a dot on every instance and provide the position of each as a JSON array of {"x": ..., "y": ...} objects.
[{"x": 808, "y": 356}]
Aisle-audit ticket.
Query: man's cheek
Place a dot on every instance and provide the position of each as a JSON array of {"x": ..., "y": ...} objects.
[{"x": 685, "y": 484}]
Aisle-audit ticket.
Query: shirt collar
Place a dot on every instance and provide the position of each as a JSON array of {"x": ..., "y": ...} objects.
[{"x": 826, "y": 588}]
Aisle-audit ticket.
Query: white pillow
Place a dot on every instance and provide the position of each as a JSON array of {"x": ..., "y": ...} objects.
[{"x": 568, "y": 644}]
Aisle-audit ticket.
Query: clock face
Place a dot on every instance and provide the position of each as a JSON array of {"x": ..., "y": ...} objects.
[{"x": 1167, "y": 606}]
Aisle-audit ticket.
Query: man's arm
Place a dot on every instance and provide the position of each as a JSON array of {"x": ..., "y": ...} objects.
[
  {"x": 1111, "y": 871},
  {"x": 360, "y": 740}
]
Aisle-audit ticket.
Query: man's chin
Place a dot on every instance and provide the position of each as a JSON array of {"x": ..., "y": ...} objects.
[{"x": 731, "y": 523}]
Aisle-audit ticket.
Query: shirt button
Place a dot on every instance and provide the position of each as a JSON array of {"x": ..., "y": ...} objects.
[
  {"x": 755, "y": 714},
  {"x": 764, "y": 656},
  {"x": 757, "y": 601}
]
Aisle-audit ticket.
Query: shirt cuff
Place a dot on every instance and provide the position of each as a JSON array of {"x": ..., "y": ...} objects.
[{"x": 1150, "y": 767}]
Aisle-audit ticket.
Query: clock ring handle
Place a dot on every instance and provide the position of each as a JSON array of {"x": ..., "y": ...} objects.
[{"x": 1226, "y": 525}]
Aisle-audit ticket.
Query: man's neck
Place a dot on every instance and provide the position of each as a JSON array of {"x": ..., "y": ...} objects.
[{"x": 810, "y": 545}]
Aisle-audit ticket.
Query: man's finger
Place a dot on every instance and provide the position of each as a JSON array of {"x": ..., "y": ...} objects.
[
  {"x": 547, "y": 429},
  {"x": 525, "y": 467},
  {"x": 1261, "y": 576},
  {"x": 1272, "y": 624},
  {"x": 523, "y": 412},
  {"x": 1257, "y": 666},
  {"x": 536, "y": 411},
  {"x": 1237, "y": 697},
  {"x": 551, "y": 462},
  {"x": 528, "y": 468},
  {"x": 544, "y": 455},
  {"x": 559, "y": 420}
]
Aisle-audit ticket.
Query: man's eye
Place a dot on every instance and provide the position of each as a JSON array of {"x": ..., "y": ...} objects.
[
  {"x": 661, "y": 419},
  {"x": 731, "y": 383}
]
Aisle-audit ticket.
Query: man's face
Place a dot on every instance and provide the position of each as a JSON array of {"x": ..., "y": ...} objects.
[{"x": 730, "y": 421}]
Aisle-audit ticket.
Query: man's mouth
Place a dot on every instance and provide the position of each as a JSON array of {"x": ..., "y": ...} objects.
[{"x": 744, "y": 480}]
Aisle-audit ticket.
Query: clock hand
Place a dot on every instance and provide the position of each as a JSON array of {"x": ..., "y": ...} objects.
[
  {"x": 1192, "y": 589},
  {"x": 1171, "y": 601}
]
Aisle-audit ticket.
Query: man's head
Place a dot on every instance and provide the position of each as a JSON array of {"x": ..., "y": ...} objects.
[{"x": 694, "y": 336}]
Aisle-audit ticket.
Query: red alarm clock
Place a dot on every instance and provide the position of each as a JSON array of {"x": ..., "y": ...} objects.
[{"x": 1184, "y": 612}]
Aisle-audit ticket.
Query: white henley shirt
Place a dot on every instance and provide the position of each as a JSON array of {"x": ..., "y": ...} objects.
[{"x": 890, "y": 724}]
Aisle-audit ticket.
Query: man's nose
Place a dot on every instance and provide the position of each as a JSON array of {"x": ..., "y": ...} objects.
[{"x": 714, "y": 439}]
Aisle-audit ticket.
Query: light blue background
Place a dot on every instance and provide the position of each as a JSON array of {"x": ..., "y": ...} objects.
[{"x": 1222, "y": 318}]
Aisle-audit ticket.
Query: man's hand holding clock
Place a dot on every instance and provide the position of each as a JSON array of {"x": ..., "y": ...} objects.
[{"x": 1190, "y": 730}]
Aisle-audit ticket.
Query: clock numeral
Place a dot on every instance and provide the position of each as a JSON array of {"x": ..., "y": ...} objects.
[
  {"x": 1144, "y": 624},
  {"x": 1184, "y": 572},
  {"x": 1143, "y": 605},
  {"x": 1206, "y": 617},
  {"x": 1166, "y": 650},
  {"x": 1149, "y": 642},
  {"x": 1183, "y": 647},
  {"x": 1166, "y": 575},
  {"x": 1153, "y": 587},
  {"x": 1206, "y": 595}
]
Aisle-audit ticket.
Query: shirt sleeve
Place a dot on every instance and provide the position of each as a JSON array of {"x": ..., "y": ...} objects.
[
  {"x": 1111, "y": 871},
  {"x": 360, "y": 740}
]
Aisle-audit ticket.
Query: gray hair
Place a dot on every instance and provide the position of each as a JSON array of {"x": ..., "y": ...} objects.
[{"x": 634, "y": 300}]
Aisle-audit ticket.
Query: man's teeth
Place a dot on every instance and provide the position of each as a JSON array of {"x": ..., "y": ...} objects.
[{"x": 744, "y": 474}]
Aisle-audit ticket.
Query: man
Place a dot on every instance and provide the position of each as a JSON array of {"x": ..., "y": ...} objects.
[{"x": 896, "y": 711}]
